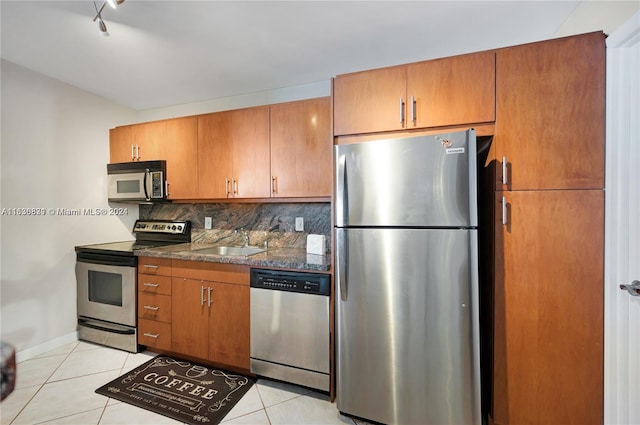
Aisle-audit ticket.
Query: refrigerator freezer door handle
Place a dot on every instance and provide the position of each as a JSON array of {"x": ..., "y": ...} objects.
[
  {"x": 341, "y": 189},
  {"x": 342, "y": 249}
]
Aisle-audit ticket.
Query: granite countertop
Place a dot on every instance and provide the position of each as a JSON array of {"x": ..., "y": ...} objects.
[{"x": 285, "y": 258}]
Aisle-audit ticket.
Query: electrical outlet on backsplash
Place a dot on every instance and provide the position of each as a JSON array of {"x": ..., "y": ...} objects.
[{"x": 273, "y": 223}]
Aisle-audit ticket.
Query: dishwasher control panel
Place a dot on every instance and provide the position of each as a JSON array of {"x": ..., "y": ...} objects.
[{"x": 306, "y": 283}]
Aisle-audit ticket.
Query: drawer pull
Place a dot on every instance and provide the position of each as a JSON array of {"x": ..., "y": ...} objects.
[
  {"x": 151, "y": 266},
  {"x": 151, "y": 335},
  {"x": 153, "y": 285},
  {"x": 151, "y": 307}
]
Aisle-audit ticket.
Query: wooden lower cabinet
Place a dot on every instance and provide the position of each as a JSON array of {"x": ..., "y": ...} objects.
[
  {"x": 190, "y": 318},
  {"x": 210, "y": 312},
  {"x": 154, "y": 307},
  {"x": 548, "y": 308},
  {"x": 154, "y": 334}
]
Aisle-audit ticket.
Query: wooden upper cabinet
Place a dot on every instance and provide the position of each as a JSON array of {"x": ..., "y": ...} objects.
[
  {"x": 369, "y": 101},
  {"x": 550, "y": 114},
  {"x": 548, "y": 324},
  {"x": 452, "y": 91},
  {"x": 443, "y": 92},
  {"x": 250, "y": 153},
  {"x": 233, "y": 154},
  {"x": 214, "y": 155},
  {"x": 180, "y": 151},
  {"x": 137, "y": 142},
  {"x": 121, "y": 145},
  {"x": 173, "y": 140},
  {"x": 301, "y": 148}
]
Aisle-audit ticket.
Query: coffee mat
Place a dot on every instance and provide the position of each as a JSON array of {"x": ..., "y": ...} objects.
[{"x": 182, "y": 390}]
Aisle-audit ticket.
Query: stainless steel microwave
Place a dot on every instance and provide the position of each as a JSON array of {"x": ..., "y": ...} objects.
[{"x": 137, "y": 182}]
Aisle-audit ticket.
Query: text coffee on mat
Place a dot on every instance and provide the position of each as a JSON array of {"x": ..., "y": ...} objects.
[{"x": 182, "y": 390}]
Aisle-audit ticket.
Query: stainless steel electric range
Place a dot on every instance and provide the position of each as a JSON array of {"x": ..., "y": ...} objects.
[{"x": 106, "y": 275}]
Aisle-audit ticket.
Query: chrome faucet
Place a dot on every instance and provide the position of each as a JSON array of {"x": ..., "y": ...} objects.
[{"x": 245, "y": 235}]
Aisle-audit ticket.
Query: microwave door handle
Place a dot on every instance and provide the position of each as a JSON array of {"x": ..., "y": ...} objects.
[{"x": 147, "y": 178}]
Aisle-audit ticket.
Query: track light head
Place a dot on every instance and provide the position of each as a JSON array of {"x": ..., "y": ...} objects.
[{"x": 101, "y": 25}]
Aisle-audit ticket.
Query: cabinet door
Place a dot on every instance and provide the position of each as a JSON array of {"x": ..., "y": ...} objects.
[
  {"x": 229, "y": 329},
  {"x": 452, "y": 91},
  {"x": 214, "y": 155},
  {"x": 189, "y": 317},
  {"x": 250, "y": 153},
  {"x": 138, "y": 142},
  {"x": 548, "y": 341},
  {"x": 550, "y": 119},
  {"x": 369, "y": 101},
  {"x": 149, "y": 140},
  {"x": 121, "y": 145},
  {"x": 301, "y": 148},
  {"x": 180, "y": 151}
]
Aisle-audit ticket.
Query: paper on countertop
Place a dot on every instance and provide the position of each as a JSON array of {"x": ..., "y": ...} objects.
[
  {"x": 315, "y": 259},
  {"x": 316, "y": 244}
]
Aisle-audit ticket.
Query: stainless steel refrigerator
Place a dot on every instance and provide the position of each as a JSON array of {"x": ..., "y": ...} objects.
[{"x": 407, "y": 280}]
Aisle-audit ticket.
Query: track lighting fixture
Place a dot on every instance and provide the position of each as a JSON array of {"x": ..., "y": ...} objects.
[{"x": 98, "y": 18}]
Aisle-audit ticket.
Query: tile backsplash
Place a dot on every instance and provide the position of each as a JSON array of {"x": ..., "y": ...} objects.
[{"x": 273, "y": 223}]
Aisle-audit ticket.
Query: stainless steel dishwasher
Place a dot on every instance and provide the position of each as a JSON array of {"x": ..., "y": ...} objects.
[{"x": 290, "y": 327}]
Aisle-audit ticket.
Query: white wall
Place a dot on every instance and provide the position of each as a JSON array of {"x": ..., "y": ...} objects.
[
  {"x": 285, "y": 94},
  {"x": 55, "y": 147}
]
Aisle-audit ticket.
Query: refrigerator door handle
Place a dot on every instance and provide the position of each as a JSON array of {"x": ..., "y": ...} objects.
[
  {"x": 342, "y": 250},
  {"x": 341, "y": 189}
]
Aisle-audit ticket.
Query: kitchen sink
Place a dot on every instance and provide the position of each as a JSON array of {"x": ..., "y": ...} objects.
[{"x": 243, "y": 251}]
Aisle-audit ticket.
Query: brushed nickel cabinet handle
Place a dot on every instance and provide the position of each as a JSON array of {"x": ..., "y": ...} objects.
[
  {"x": 150, "y": 335},
  {"x": 401, "y": 111},
  {"x": 274, "y": 185},
  {"x": 413, "y": 109},
  {"x": 505, "y": 181},
  {"x": 151, "y": 307},
  {"x": 151, "y": 266},
  {"x": 152, "y": 285},
  {"x": 504, "y": 211},
  {"x": 209, "y": 296}
]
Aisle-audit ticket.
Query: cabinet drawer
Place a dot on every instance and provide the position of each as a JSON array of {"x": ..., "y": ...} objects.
[
  {"x": 154, "y": 284},
  {"x": 153, "y": 265},
  {"x": 213, "y": 272},
  {"x": 154, "y": 334},
  {"x": 154, "y": 307}
]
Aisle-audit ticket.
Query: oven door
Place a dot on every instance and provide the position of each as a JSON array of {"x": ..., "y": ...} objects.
[{"x": 107, "y": 292}]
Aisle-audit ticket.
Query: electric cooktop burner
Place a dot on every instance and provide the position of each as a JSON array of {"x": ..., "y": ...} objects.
[{"x": 149, "y": 234}]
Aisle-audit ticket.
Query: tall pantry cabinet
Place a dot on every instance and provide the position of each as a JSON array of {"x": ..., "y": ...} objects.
[{"x": 549, "y": 232}]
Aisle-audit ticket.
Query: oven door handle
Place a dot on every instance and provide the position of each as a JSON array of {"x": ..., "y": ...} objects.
[{"x": 110, "y": 328}]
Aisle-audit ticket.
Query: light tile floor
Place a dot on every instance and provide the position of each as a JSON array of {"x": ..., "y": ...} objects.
[{"x": 58, "y": 388}]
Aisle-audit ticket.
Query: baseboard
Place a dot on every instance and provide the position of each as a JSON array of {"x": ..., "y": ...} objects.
[{"x": 45, "y": 347}]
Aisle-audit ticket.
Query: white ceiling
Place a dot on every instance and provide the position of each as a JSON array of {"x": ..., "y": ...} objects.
[{"x": 165, "y": 53}]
